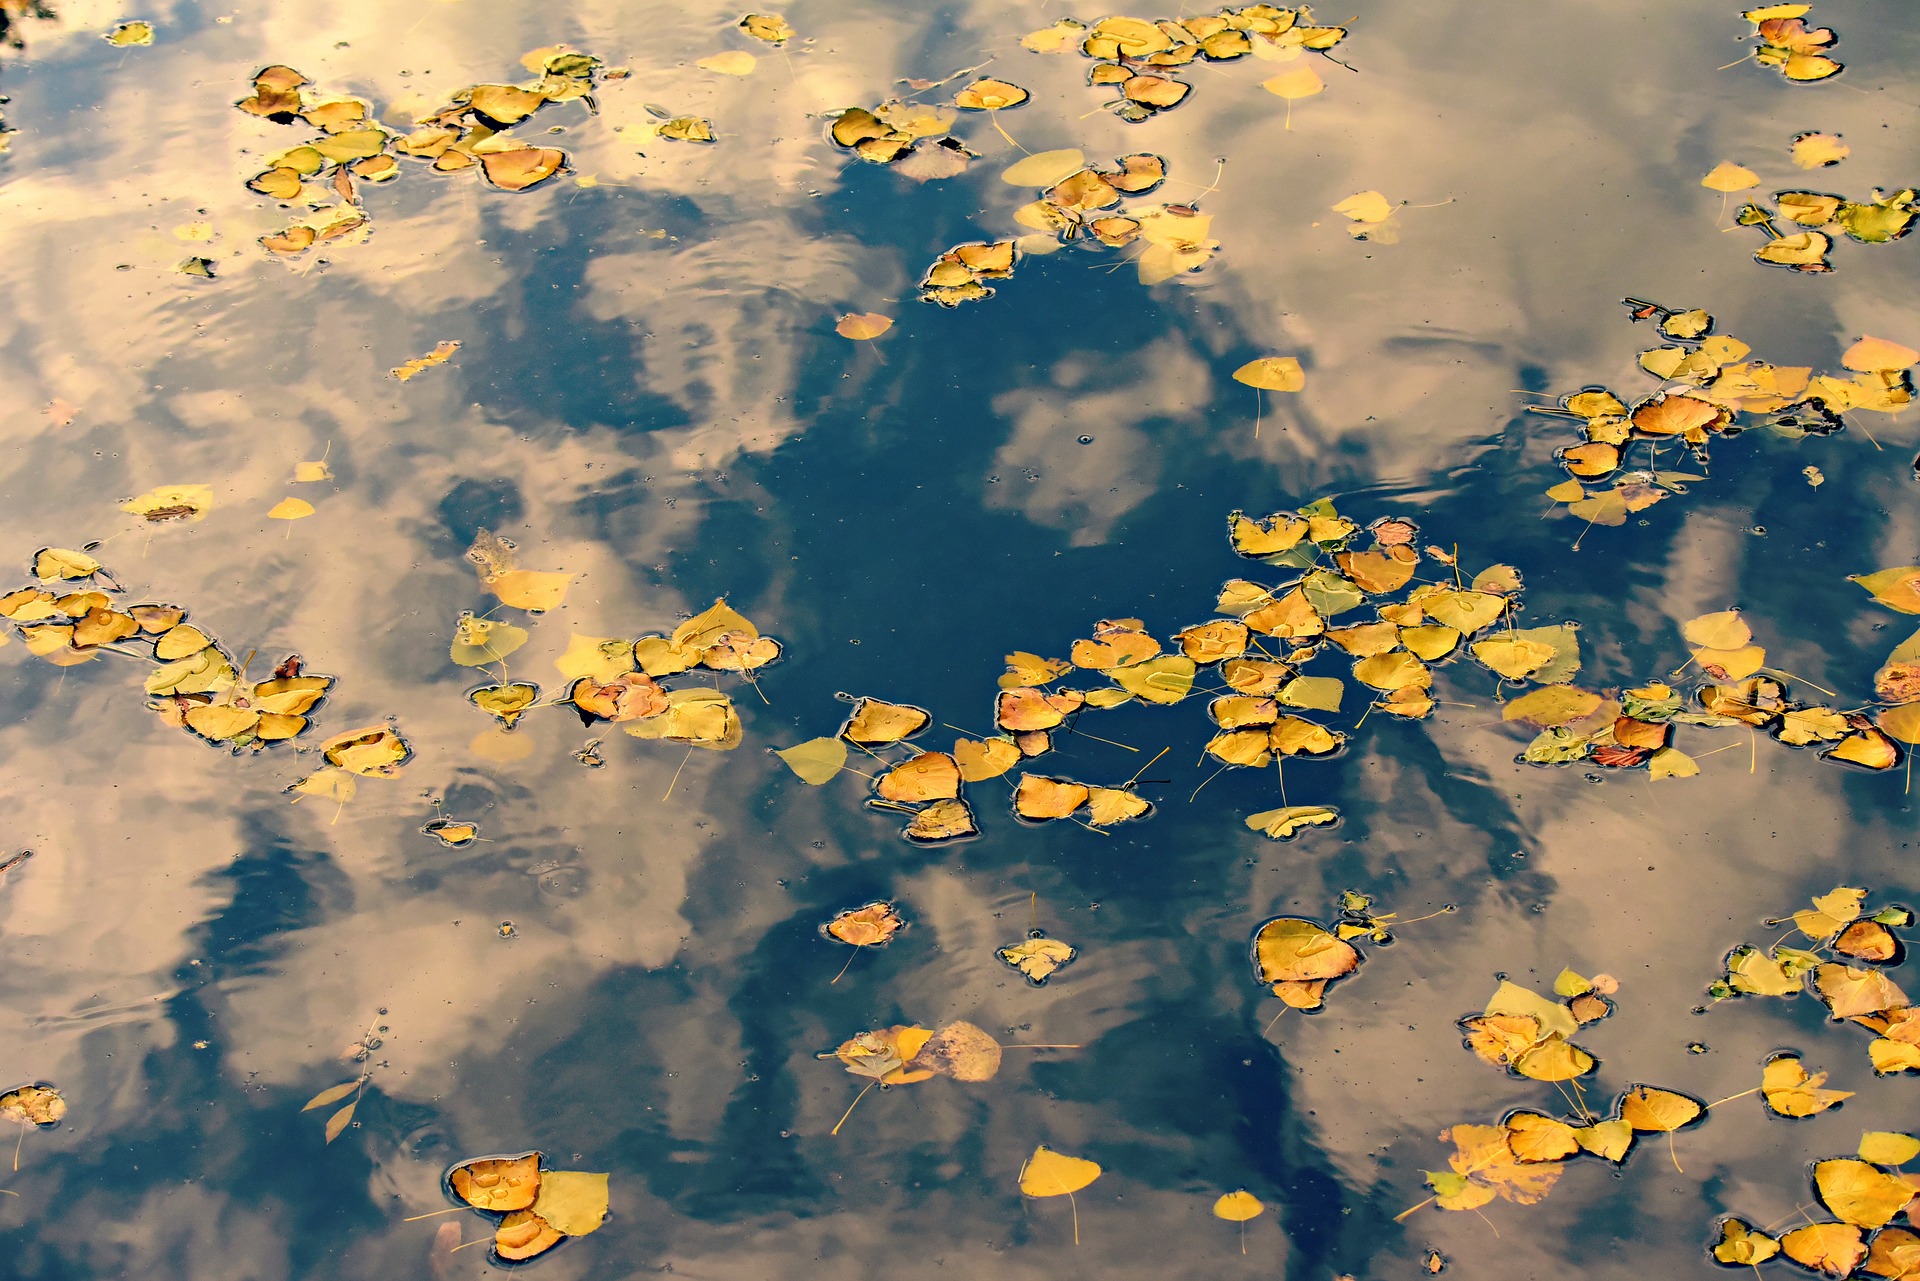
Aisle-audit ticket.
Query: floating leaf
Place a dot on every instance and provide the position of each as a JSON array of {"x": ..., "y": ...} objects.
[
  {"x": 1238, "y": 1207},
  {"x": 989, "y": 95},
  {"x": 1272, "y": 373},
  {"x": 1833, "y": 1248},
  {"x": 530, "y": 588},
  {"x": 1790, "y": 1091},
  {"x": 131, "y": 33},
  {"x": 770, "y": 27},
  {"x": 1741, "y": 1244},
  {"x": 441, "y": 353},
  {"x": 1814, "y": 150},
  {"x": 959, "y": 1050},
  {"x": 571, "y": 1201},
  {"x": 1043, "y": 169},
  {"x": 1884, "y": 1147},
  {"x": 686, "y": 129},
  {"x": 523, "y": 1235},
  {"x": 1283, "y": 823},
  {"x": 1727, "y": 176},
  {"x": 870, "y": 926},
  {"x": 1301, "y": 82},
  {"x": 1860, "y": 1193},
  {"x": 1649, "y": 1109},
  {"x": 376, "y": 752},
  {"x": 172, "y": 502},
  {"x": 817, "y": 760},
  {"x": 1877, "y": 355},
  {"x": 1038, "y": 957},
  {"x": 290, "y": 509},
  {"x": 1050, "y": 1173},
  {"x": 864, "y": 326},
  {"x": 497, "y": 1183},
  {"x": 338, "y": 1122},
  {"x": 36, "y": 1105},
  {"x": 875, "y": 721},
  {"x": 480, "y": 641},
  {"x": 733, "y": 62}
]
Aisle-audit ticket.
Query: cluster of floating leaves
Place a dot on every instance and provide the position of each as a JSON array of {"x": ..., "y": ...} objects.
[
  {"x": 1884, "y": 218},
  {"x": 612, "y": 679},
  {"x": 1864, "y": 1192},
  {"x": 533, "y": 1209},
  {"x": 1301, "y": 958},
  {"x": 1522, "y": 1157},
  {"x": 1137, "y": 55},
  {"x": 1266, "y": 635},
  {"x": 1843, "y": 959},
  {"x": 911, "y": 138},
  {"x": 1782, "y": 39},
  {"x": 1080, "y": 205},
  {"x": 69, "y": 616},
  {"x": 1636, "y": 728},
  {"x": 1708, "y": 389},
  {"x": 470, "y": 132}
]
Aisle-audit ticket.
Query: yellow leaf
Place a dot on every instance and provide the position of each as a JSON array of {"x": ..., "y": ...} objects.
[
  {"x": 1813, "y": 150},
  {"x": 1832, "y": 1248},
  {"x": 989, "y": 95},
  {"x": 374, "y": 752},
  {"x": 306, "y": 473},
  {"x": 770, "y": 27},
  {"x": 497, "y": 1183},
  {"x": 574, "y": 1202},
  {"x": 290, "y": 509},
  {"x": 1044, "y": 169},
  {"x": 1050, "y": 1173},
  {"x": 1884, "y": 1147},
  {"x": 1290, "y": 949},
  {"x": 1671, "y": 762},
  {"x": 1300, "y": 82},
  {"x": 875, "y": 721},
  {"x": 1608, "y": 1139},
  {"x": 1365, "y": 207},
  {"x": 1859, "y": 1193},
  {"x": 1650, "y": 1109},
  {"x": 863, "y": 326},
  {"x": 1741, "y": 1244},
  {"x": 441, "y": 353},
  {"x": 1283, "y": 823},
  {"x": 731, "y": 63},
  {"x": 1790, "y": 1091},
  {"x": 1038, "y": 957},
  {"x": 1238, "y": 1207},
  {"x": 1877, "y": 355},
  {"x": 172, "y": 502},
  {"x": 712, "y": 625},
  {"x": 331, "y": 784},
  {"x": 1727, "y": 176},
  {"x": 531, "y": 589},
  {"x": 602, "y": 658},
  {"x": 1552, "y": 705},
  {"x": 1273, "y": 373},
  {"x": 1725, "y": 630}
]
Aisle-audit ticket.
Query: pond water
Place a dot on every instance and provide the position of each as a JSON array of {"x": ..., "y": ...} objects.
[{"x": 626, "y": 970}]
